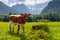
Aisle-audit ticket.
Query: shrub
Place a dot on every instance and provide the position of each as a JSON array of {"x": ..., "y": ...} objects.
[
  {"x": 41, "y": 27},
  {"x": 37, "y": 35},
  {"x": 5, "y": 19},
  {"x": 38, "y": 32}
]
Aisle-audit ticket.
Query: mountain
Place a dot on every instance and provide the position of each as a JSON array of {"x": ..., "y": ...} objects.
[
  {"x": 4, "y": 8},
  {"x": 37, "y": 8},
  {"x": 52, "y": 7},
  {"x": 20, "y": 8}
]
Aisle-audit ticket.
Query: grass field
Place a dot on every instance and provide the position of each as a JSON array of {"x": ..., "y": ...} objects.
[{"x": 6, "y": 35}]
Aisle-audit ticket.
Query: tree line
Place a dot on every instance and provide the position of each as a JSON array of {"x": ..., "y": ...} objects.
[
  {"x": 45, "y": 17},
  {"x": 36, "y": 18}
]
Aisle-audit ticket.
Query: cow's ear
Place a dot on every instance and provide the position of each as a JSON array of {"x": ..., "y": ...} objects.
[
  {"x": 21, "y": 14},
  {"x": 29, "y": 14}
]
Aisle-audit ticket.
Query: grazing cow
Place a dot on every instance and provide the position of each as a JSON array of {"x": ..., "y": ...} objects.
[{"x": 19, "y": 19}]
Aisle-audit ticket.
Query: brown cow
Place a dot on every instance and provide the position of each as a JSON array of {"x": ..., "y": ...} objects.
[{"x": 19, "y": 19}]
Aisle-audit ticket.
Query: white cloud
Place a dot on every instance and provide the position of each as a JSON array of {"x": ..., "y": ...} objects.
[
  {"x": 21, "y": 0},
  {"x": 5, "y": 1},
  {"x": 42, "y": 1},
  {"x": 29, "y": 2},
  {"x": 12, "y": 4},
  {"x": 33, "y": 2},
  {"x": 26, "y": 2}
]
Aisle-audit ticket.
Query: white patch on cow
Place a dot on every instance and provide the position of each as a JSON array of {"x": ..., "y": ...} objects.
[
  {"x": 22, "y": 25},
  {"x": 15, "y": 15},
  {"x": 18, "y": 24},
  {"x": 12, "y": 26},
  {"x": 11, "y": 23}
]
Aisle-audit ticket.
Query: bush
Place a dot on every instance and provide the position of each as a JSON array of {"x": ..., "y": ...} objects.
[
  {"x": 37, "y": 35},
  {"x": 5, "y": 19},
  {"x": 0, "y": 18},
  {"x": 39, "y": 32},
  {"x": 43, "y": 27}
]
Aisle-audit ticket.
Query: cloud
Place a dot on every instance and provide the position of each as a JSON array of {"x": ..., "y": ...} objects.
[
  {"x": 41, "y": 1},
  {"x": 21, "y": 0},
  {"x": 12, "y": 4},
  {"x": 30, "y": 2},
  {"x": 5, "y": 1},
  {"x": 26, "y": 2},
  {"x": 33, "y": 2}
]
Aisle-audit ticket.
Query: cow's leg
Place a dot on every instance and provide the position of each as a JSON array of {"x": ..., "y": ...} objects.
[
  {"x": 10, "y": 25},
  {"x": 23, "y": 28},
  {"x": 13, "y": 27},
  {"x": 18, "y": 28}
]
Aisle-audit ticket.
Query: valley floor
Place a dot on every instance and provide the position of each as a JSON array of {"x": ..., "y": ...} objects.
[{"x": 6, "y": 35}]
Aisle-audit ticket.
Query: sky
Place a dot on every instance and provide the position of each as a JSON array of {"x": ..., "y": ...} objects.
[{"x": 26, "y": 2}]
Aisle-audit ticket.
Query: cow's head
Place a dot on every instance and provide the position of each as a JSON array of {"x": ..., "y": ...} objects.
[{"x": 25, "y": 15}]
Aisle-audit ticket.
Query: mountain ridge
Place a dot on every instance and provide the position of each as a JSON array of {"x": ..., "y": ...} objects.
[
  {"x": 52, "y": 7},
  {"x": 21, "y": 8},
  {"x": 4, "y": 8}
]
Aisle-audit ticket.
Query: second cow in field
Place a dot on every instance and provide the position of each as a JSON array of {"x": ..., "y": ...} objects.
[{"x": 19, "y": 19}]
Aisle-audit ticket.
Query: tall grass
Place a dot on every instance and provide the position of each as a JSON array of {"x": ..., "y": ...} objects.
[{"x": 6, "y": 35}]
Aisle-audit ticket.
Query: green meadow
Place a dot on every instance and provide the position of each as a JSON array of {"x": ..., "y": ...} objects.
[{"x": 6, "y": 35}]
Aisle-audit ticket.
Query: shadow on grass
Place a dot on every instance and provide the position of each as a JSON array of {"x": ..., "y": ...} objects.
[
  {"x": 21, "y": 35},
  {"x": 11, "y": 33}
]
